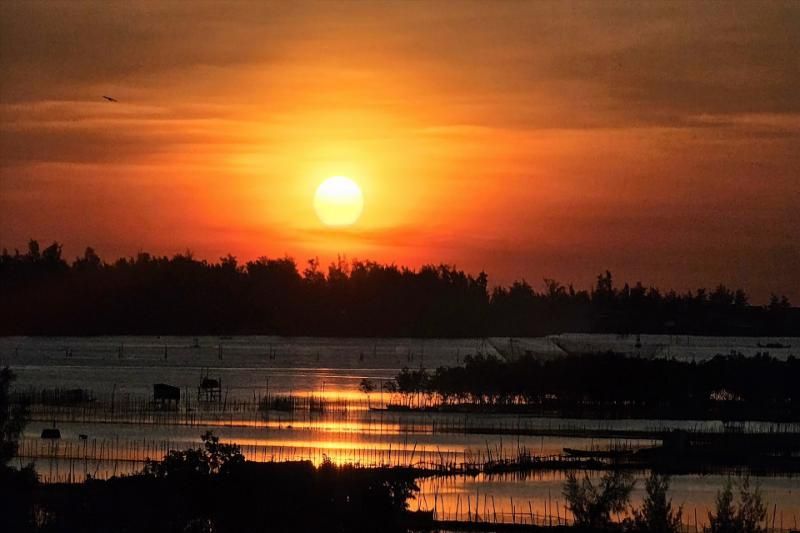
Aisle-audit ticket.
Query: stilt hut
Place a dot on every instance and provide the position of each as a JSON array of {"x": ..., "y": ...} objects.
[{"x": 209, "y": 392}]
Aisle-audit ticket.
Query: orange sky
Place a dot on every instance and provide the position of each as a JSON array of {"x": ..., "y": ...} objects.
[{"x": 530, "y": 139}]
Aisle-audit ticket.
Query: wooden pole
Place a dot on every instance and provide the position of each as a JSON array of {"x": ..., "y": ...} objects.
[{"x": 774, "y": 509}]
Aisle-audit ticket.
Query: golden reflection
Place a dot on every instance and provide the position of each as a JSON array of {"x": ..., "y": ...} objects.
[
  {"x": 330, "y": 426},
  {"x": 495, "y": 498},
  {"x": 353, "y": 451},
  {"x": 357, "y": 400},
  {"x": 353, "y": 444}
]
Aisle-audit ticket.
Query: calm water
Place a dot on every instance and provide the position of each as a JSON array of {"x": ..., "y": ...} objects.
[{"x": 125, "y": 369}]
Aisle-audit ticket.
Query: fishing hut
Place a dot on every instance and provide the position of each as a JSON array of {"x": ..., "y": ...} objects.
[
  {"x": 166, "y": 397},
  {"x": 51, "y": 434},
  {"x": 209, "y": 392}
]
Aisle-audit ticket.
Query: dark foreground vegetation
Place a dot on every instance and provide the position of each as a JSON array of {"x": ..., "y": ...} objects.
[
  {"x": 43, "y": 294},
  {"x": 731, "y": 387},
  {"x": 203, "y": 490},
  {"x": 594, "y": 503},
  {"x": 213, "y": 489}
]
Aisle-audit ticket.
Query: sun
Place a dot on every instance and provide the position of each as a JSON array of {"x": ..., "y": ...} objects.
[{"x": 338, "y": 201}]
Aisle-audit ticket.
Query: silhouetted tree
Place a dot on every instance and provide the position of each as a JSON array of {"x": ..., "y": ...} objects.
[
  {"x": 747, "y": 517},
  {"x": 367, "y": 387},
  {"x": 656, "y": 514},
  {"x": 213, "y": 458},
  {"x": 591, "y": 504}
]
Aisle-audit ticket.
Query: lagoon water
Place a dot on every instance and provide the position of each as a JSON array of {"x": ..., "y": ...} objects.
[
  {"x": 306, "y": 364},
  {"x": 121, "y": 371}
]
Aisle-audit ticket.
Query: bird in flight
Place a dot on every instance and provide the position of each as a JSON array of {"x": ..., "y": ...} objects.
[{"x": 110, "y": 99}]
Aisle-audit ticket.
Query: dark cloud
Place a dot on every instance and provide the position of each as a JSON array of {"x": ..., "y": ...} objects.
[{"x": 54, "y": 49}]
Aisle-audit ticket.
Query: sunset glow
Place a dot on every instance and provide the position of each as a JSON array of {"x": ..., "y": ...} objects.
[{"x": 596, "y": 140}]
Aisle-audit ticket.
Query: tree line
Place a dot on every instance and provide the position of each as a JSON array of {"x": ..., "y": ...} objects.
[
  {"x": 44, "y": 294},
  {"x": 759, "y": 386}
]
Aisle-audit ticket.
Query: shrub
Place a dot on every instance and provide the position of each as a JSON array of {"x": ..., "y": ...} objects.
[
  {"x": 657, "y": 514},
  {"x": 592, "y": 505},
  {"x": 212, "y": 458},
  {"x": 728, "y": 518}
]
